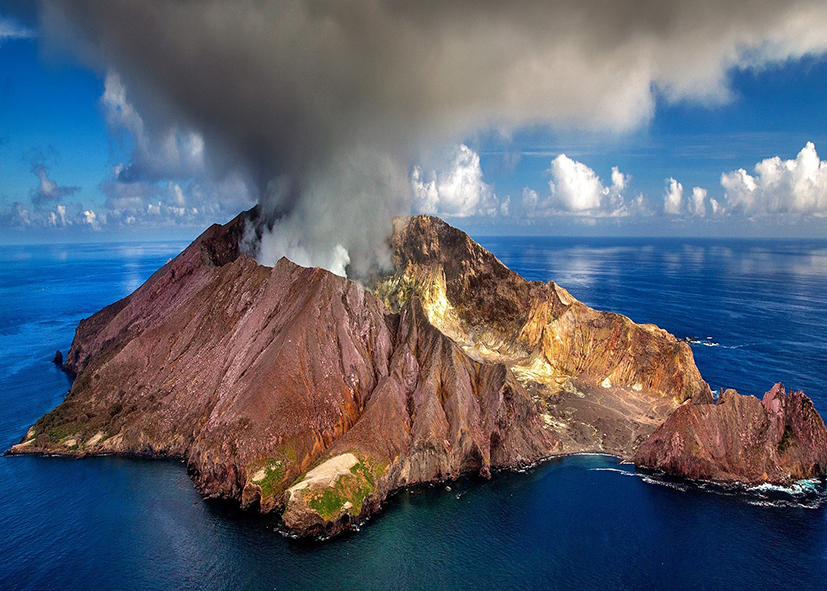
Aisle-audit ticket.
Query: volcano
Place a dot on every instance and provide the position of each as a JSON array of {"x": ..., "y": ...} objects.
[{"x": 292, "y": 389}]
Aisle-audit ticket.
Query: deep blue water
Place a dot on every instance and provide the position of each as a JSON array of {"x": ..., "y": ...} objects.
[{"x": 579, "y": 523}]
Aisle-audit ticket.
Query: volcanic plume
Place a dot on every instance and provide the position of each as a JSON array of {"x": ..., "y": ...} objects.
[{"x": 323, "y": 106}]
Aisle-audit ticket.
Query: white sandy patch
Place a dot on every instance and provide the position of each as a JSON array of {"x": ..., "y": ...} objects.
[
  {"x": 551, "y": 422},
  {"x": 326, "y": 473},
  {"x": 607, "y": 383},
  {"x": 259, "y": 476},
  {"x": 70, "y": 442},
  {"x": 637, "y": 387}
]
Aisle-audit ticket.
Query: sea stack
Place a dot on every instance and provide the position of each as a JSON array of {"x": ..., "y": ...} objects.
[{"x": 779, "y": 439}]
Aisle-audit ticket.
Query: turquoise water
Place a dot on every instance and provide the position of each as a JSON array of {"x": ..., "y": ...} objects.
[{"x": 756, "y": 310}]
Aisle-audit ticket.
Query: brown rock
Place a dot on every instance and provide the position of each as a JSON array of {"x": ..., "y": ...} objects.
[
  {"x": 256, "y": 375},
  {"x": 779, "y": 439}
]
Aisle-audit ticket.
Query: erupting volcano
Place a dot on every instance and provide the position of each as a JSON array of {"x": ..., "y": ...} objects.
[{"x": 293, "y": 389}]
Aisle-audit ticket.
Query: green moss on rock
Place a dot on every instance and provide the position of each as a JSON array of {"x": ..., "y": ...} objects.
[{"x": 354, "y": 488}]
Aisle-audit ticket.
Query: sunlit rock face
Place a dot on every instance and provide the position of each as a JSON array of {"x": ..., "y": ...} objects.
[
  {"x": 602, "y": 382},
  {"x": 293, "y": 389},
  {"x": 779, "y": 439}
]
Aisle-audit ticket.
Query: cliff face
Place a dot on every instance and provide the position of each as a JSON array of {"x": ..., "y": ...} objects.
[
  {"x": 436, "y": 415},
  {"x": 293, "y": 389},
  {"x": 603, "y": 383},
  {"x": 779, "y": 439},
  {"x": 228, "y": 364}
]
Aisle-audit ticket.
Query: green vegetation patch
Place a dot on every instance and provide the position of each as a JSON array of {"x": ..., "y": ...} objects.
[
  {"x": 66, "y": 421},
  {"x": 274, "y": 471},
  {"x": 351, "y": 488},
  {"x": 786, "y": 440}
]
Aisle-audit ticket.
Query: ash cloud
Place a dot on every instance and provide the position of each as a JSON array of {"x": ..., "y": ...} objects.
[{"x": 323, "y": 106}]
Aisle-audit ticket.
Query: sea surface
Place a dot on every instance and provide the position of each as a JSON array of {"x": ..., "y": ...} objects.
[{"x": 756, "y": 313}]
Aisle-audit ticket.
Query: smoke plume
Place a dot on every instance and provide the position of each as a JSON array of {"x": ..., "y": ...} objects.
[{"x": 325, "y": 105}]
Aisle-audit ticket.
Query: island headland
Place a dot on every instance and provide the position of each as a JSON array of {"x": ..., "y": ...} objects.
[{"x": 292, "y": 389}]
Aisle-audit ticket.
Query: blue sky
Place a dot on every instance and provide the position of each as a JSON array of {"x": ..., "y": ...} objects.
[{"x": 61, "y": 145}]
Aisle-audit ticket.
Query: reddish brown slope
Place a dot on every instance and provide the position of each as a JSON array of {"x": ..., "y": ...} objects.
[
  {"x": 779, "y": 439},
  {"x": 437, "y": 414},
  {"x": 256, "y": 375}
]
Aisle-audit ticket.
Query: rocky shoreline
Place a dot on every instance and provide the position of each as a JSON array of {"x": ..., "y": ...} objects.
[{"x": 294, "y": 390}]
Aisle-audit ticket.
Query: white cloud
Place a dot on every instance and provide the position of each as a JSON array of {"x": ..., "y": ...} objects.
[
  {"x": 163, "y": 153},
  {"x": 177, "y": 194},
  {"x": 695, "y": 204},
  {"x": 118, "y": 111},
  {"x": 576, "y": 189},
  {"x": 91, "y": 218},
  {"x": 574, "y": 186},
  {"x": 166, "y": 182},
  {"x": 505, "y": 204},
  {"x": 18, "y": 216},
  {"x": 57, "y": 218},
  {"x": 779, "y": 186},
  {"x": 194, "y": 203},
  {"x": 458, "y": 191},
  {"x": 673, "y": 199},
  {"x": 530, "y": 199}
]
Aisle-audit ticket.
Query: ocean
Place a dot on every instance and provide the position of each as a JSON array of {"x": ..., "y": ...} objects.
[{"x": 755, "y": 312}]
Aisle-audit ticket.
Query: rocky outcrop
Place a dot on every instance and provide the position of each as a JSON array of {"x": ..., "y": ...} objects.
[
  {"x": 436, "y": 415},
  {"x": 603, "y": 382},
  {"x": 293, "y": 389},
  {"x": 779, "y": 439}
]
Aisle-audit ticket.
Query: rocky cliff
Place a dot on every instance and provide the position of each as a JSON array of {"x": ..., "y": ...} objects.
[
  {"x": 602, "y": 382},
  {"x": 293, "y": 389},
  {"x": 779, "y": 439}
]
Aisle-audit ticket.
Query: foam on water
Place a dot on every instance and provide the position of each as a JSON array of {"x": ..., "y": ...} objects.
[{"x": 805, "y": 494}]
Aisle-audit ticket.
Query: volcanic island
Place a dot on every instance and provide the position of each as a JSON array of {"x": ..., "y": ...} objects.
[{"x": 295, "y": 390}]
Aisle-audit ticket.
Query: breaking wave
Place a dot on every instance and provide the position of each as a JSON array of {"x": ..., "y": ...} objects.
[
  {"x": 710, "y": 342},
  {"x": 803, "y": 494}
]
